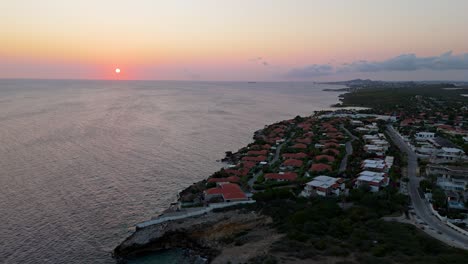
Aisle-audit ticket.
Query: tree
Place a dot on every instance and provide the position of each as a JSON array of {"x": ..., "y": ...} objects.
[
  {"x": 425, "y": 185},
  {"x": 439, "y": 198}
]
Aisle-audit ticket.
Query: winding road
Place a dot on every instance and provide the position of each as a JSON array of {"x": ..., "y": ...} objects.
[
  {"x": 421, "y": 206},
  {"x": 349, "y": 149}
]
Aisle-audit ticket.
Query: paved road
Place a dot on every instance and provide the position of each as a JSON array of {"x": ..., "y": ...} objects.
[
  {"x": 349, "y": 149},
  {"x": 421, "y": 207},
  {"x": 275, "y": 158}
]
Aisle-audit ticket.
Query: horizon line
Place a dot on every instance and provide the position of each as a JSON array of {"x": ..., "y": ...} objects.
[{"x": 251, "y": 81}]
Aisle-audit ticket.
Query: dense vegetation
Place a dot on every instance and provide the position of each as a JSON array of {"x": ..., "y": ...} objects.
[
  {"x": 391, "y": 99},
  {"x": 319, "y": 227}
]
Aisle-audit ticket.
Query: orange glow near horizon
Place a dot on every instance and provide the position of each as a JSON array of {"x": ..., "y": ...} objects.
[{"x": 184, "y": 39}]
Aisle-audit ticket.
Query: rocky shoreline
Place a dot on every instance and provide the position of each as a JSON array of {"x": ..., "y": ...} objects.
[{"x": 206, "y": 236}]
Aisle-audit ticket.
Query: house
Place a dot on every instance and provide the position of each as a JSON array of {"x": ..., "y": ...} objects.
[
  {"x": 331, "y": 151},
  {"x": 381, "y": 143},
  {"x": 452, "y": 130},
  {"x": 258, "y": 147},
  {"x": 454, "y": 178},
  {"x": 255, "y": 159},
  {"x": 293, "y": 163},
  {"x": 452, "y": 184},
  {"x": 409, "y": 122},
  {"x": 299, "y": 146},
  {"x": 307, "y": 141},
  {"x": 372, "y": 127},
  {"x": 422, "y": 136},
  {"x": 324, "y": 186},
  {"x": 374, "y": 180},
  {"x": 362, "y": 129},
  {"x": 356, "y": 123},
  {"x": 325, "y": 141},
  {"x": 378, "y": 150},
  {"x": 235, "y": 171},
  {"x": 335, "y": 135},
  {"x": 282, "y": 176},
  {"x": 299, "y": 155},
  {"x": 325, "y": 157},
  {"x": 331, "y": 145},
  {"x": 449, "y": 155},
  {"x": 318, "y": 146},
  {"x": 229, "y": 192},
  {"x": 320, "y": 167},
  {"x": 377, "y": 165},
  {"x": 369, "y": 138},
  {"x": 257, "y": 152},
  {"x": 233, "y": 179},
  {"x": 248, "y": 164},
  {"x": 447, "y": 171}
]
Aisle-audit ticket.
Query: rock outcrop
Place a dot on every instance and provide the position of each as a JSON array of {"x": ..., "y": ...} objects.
[{"x": 204, "y": 235}]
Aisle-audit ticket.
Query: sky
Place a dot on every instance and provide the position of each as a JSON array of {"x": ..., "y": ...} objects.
[{"x": 238, "y": 40}]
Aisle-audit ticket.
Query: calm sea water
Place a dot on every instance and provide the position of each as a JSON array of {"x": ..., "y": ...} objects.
[{"x": 82, "y": 161}]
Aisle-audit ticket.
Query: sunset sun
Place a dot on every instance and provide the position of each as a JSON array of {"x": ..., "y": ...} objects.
[{"x": 117, "y": 70}]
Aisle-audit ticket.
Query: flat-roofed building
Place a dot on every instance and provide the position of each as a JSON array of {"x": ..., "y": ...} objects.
[{"x": 324, "y": 186}]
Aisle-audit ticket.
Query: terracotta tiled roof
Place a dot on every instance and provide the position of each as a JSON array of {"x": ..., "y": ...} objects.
[
  {"x": 228, "y": 179},
  {"x": 293, "y": 163},
  {"x": 320, "y": 167},
  {"x": 330, "y": 150},
  {"x": 248, "y": 164},
  {"x": 327, "y": 157},
  {"x": 300, "y": 146},
  {"x": 229, "y": 191},
  {"x": 257, "y": 158},
  {"x": 300, "y": 155},
  {"x": 331, "y": 145},
  {"x": 257, "y": 152},
  {"x": 288, "y": 176},
  {"x": 331, "y": 140},
  {"x": 304, "y": 140}
]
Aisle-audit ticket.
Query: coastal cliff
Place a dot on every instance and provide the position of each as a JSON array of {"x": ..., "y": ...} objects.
[{"x": 206, "y": 235}]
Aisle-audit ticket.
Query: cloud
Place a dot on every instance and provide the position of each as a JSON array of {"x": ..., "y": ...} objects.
[
  {"x": 411, "y": 62},
  {"x": 260, "y": 61},
  {"x": 314, "y": 70},
  {"x": 405, "y": 62}
]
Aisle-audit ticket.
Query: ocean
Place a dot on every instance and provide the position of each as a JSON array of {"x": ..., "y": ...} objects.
[{"x": 81, "y": 162}]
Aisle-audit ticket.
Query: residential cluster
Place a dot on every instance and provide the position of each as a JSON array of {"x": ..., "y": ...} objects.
[
  {"x": 309, "y": 154},
  {"x": 438, "y": 134}
]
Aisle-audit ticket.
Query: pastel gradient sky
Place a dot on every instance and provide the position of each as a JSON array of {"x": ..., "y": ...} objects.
[{"x": 235, "y": 40}]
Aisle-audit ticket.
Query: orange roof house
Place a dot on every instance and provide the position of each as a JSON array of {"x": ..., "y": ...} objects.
[
  {"x": 228, "y": 191},
  {"x": 331, "y": 145},
  {"x": 293, "y": 163},
  {"x": 318, "y": 167},
  {"x": 307, "y": 141},
  {"x": 325, "y": 157},
  {"x": 257, "y": 152},
  {"x": 287, "y": 176},
  {"x": 257, "y": 158},
  {"x": 228, "y": 179},
  {"x": 300, "y": 155},
  {"x": 300, "y": 146}
]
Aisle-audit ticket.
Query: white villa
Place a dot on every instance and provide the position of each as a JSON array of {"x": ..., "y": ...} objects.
[
  {"x": 374, "y": 180},
  {"x": 324, "y": 186},
  {"x": 422, "y": 136}
]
